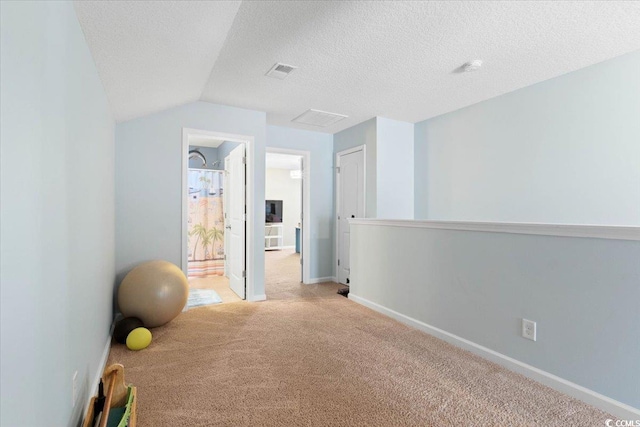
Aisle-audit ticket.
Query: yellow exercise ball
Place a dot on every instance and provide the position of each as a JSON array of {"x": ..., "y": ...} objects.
[
  {"x": 138, "y": 339},
  {"x": 154, "y": 292}
]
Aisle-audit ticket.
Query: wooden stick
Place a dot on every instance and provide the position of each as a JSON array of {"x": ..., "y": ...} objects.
[
  {"x": 120, "y": 391},
  {"x": 88, "y": 420},
  {"x": 107, "y": 402}
]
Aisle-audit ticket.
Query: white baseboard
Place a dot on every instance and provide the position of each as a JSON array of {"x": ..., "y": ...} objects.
[
  {"x": 93, "y": 387},
  {"x": 320, "y": 280},
  {"x": 618, "y": 409},
  {"x": 261, "y": 297}
]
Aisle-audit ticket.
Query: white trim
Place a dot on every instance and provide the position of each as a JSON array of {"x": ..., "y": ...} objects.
[
  {"x": 351, "y": 150},
  {"x": 185, "y": 207},
  {"x": 306, "y": 207},
  {"x": 614, "y": 232},
  {"x": 249, "y": 142},
  {"x": 256, "y": 298},
  {"x": 320, "y": 280},
  {"x": 336, "y": 203},
  {"x": 93, "y": 387},
  {"x": 590, "y": 397},
  {"x": 206, "y": 170}
]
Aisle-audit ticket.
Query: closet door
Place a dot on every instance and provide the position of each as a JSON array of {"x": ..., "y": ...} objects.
[{"x": 350, "y": 204}]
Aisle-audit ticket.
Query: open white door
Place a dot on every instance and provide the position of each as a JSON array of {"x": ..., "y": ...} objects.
[
  {"x": 302, "y": 224},
  {"x": 350, "y": 203},
  {"x": 225, "y": 209},
  {"x": 236, "y": 219}
]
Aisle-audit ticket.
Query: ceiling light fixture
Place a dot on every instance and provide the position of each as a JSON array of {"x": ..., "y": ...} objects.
[{"x": 472, "y": 65}]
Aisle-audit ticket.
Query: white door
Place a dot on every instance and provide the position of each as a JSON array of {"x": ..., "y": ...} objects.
[
  {"x": 302, "y": 225},
  {"x": 235, "y": 167},
  {"x": 225, "y": 210},
  {"x": 350, "y": 204}
]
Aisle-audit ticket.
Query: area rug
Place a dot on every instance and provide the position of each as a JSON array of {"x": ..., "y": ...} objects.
[{"x": 199, "y": 297}]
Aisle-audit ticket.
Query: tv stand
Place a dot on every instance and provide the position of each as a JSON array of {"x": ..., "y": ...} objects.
[{"x": 273, "y": 236}]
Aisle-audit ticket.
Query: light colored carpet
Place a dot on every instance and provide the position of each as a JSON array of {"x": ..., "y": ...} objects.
[
  {"x": 282, "y": 276},
  {"x": 309, "y": 357}
]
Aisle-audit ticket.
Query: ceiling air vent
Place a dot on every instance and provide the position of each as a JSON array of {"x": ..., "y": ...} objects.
[
  {"x": 280, "y": 71},
  {"x": 319, "y": 118}
]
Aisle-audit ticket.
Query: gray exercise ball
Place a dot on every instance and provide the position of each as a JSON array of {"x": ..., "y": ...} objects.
[{"x": 155, "y": 292}]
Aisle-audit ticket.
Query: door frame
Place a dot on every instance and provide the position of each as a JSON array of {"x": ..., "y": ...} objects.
[
  {"x": 362, "y": 148},
  {"x": 306, "y": 210},
  {"x": 249, "y": 142}
]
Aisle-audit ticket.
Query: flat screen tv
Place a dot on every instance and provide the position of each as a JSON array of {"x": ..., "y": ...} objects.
[{"x": 273, "y": 211}]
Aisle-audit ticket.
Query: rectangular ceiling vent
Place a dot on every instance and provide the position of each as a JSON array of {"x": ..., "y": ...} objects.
[
  {"x": 319, "y": 118},
  {"x": 280, "y": 71}
]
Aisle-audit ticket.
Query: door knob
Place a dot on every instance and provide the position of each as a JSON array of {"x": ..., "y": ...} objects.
[
  {"x": 353, "y": 216},
  {"x": 228, "y": 227}
]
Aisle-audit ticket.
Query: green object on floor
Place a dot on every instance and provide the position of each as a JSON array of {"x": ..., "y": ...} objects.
[
  {"x": 119, "y": 417},
  {"x": 115, "y": 416}
]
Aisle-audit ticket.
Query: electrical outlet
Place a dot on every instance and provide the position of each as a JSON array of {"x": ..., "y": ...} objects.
[
  {"x": 74, "y": 391},
  {"x": 529, "y": 329}
]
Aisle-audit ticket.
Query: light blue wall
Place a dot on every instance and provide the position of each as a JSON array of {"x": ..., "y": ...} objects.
[
  {"x": 363, "y": 134},
  {"x": 395, "y": 163},
  {"x": 320, "y": 145},
  {"x": 57, "y": 224},
  {"x": 389, "y": 165},
  {"x": 582, "y": 292},
  {"x": 149, "y": 193},
  {"x": 210, "y": 154},
  {"x": 562, "y": 151},
  {"x": 224, "y": 150},
  {"x": 421, "y": 178}
]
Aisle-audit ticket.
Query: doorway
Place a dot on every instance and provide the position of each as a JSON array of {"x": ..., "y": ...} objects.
[
  {"x": 350, "y": 203},
  {"x": 205, "y": 237},
  {"x": 287, "y": 225},
  {"x": 216, "y": 217}
]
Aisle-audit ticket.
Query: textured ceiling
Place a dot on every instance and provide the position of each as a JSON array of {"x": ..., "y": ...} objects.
[
  {"x": 393, "y": 59},
  {"x": 152, "y": 55}
]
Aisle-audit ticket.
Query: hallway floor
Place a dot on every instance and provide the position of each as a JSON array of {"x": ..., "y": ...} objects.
[
  {"x": 282, "y": 280},
  {"x": 220, "y": 284},
  {"x": 310, "y": 357},
  {"x": 283, "y": 276}
]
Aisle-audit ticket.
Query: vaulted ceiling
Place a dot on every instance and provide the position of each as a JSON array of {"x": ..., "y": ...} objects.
[{"x": 396, "y": 59}]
